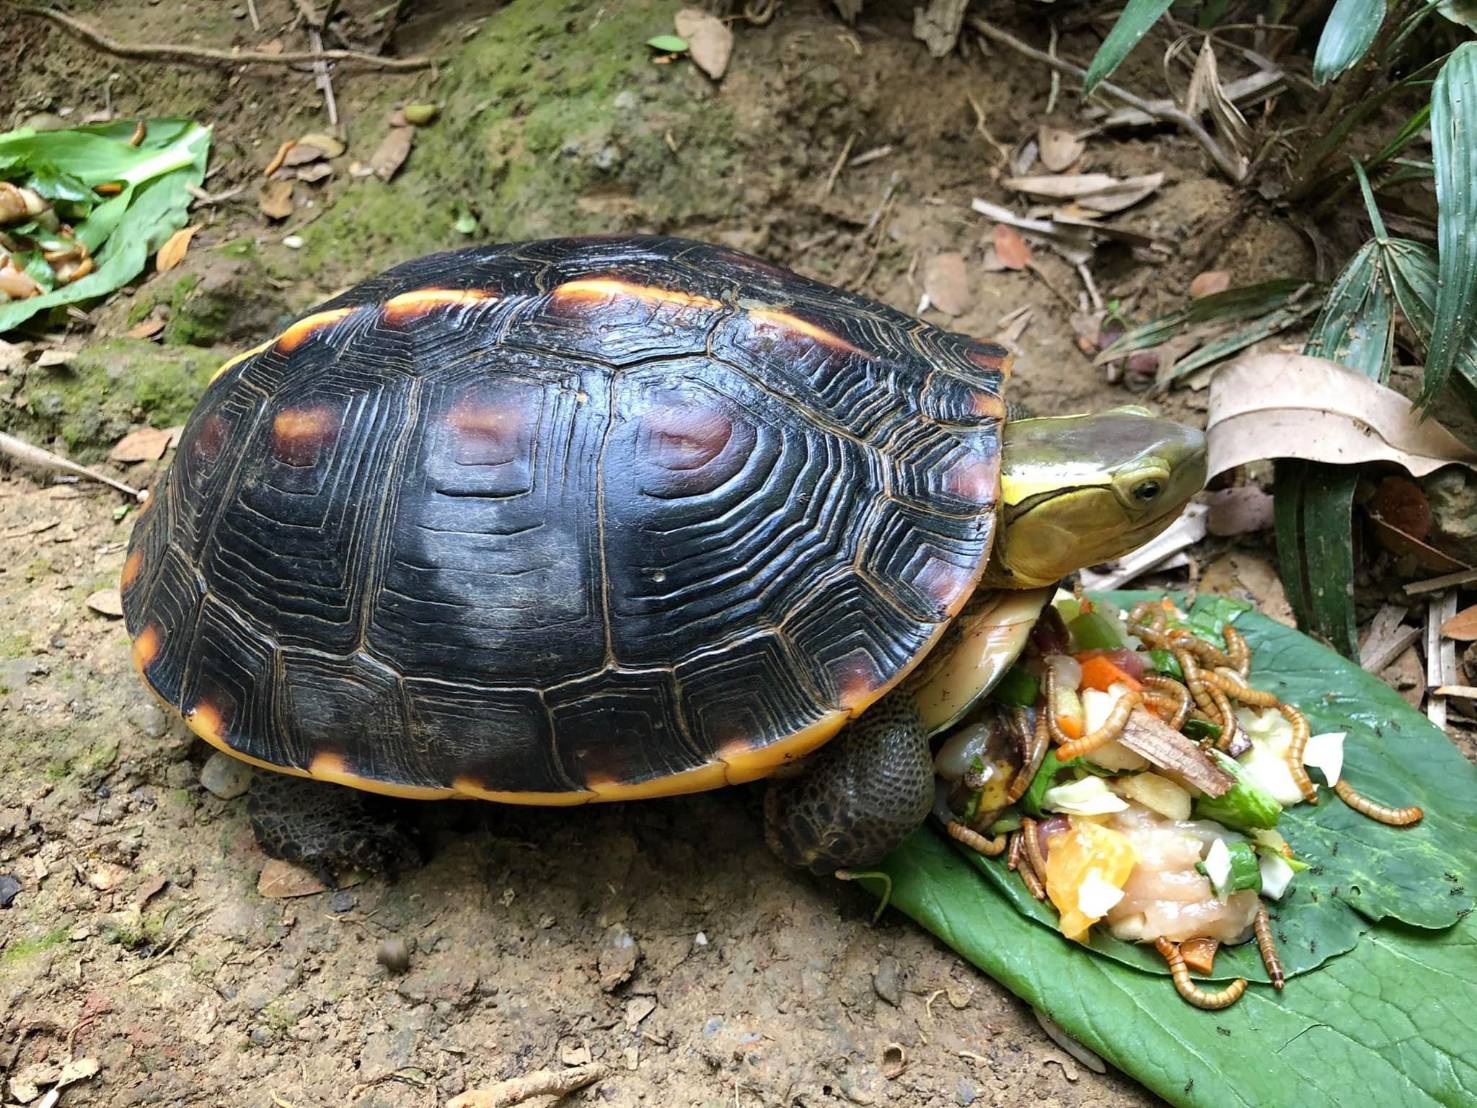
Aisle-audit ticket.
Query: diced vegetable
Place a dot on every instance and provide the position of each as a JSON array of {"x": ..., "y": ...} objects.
[
  {"x": 1245, "y": 873},
  {"x": 1270, "y": 842},
  {"x": 1095, "y": 896},
  {"x": 1045, "y": 778},
  {"x": 1166, "y": 663},
  {"x": 1266, "y": 762},
  {"x": 1325, "y": 753},
  {"x": 1087, "y": 797},
  {"x": 1018, "y": 687},
  {"x": 1005, "y": 824},
  {"x": 1086, "y": 855},
  {"x": 1067, "y": 605},
  {"x": 1068, "y": 712},
  {"x": 1158, "y": 794},
  {"x": 1095, "y": 631},
  {"x": 1199, "y": 954},
  {"x": 1276, "y": 875},
  {"x": 1097, "y": 706},
  {"x": 1199, "y": 729},
  {"x": 1100, "y": 671},
  {"x": 1245, "y": 806},
  {"x": 1216, "y": 865},
  {"x": 1231, "y": 869}
]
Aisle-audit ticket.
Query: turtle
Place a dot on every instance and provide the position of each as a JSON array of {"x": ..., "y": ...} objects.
[{"x": 604, "y": 519}]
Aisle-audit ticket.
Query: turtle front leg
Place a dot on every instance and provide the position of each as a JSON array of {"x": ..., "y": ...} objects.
[
  {"x": 331, "y": 828},
  {"x": 859, "y": 797}
]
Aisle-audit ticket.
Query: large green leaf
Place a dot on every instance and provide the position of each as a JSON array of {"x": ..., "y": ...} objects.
[
  {"x": 1390, "y": 1021},
  {"x": 1454, "y": 150},
  {"x": 1243, "y": 302},
  {"x": 124, "y": 230},
  {"x": 1347, "y": 36},
  {"x": 1132, "y": 25}
]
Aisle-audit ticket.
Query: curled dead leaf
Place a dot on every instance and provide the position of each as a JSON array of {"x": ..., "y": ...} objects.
[
  {"x": 1209, "y": 283},
  {"x": 173, "y": 250},
  {"x": 1462, "y": 626},
  {"x": 1097, "y": 191},
  {"x": 1011, "y": 247},
  {"x": 274, "y": 198},
  {"x": 146, "y": 330},
  {"x": 1296, "y": 406},
  {"x": 147, "y": 444},
  {"x": 894, "y": 1060},
  {"x": 1059, "y": 148},
  {"x": 301, "y": 153},
  {"x": 281, "y": 879},
  {"x": 946, "y": 283},
  {"x": 393, "y": 149},
  {"x": 330, "y": 146},
  {"x": 709, "y": 41}
]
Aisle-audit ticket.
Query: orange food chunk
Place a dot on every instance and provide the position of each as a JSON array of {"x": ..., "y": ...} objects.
[
  {"x": 1098, "y": 672},
  {"x": 1086, "y": 849}
]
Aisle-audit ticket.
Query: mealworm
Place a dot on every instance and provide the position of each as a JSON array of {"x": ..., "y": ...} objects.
[
  {"x": 1181, "y": 706},
  {"x": 1380, "y": 813},
  {"x": 1013, "y": 851},
  {"x": 1188, "y": 989},
  {"x": 1295, "y": 751},
  {"x": 1033, "y": 883},
  {"x": 1111, "y": 728},
  {"x": 1031, "y": 830},
  {"x": 1234, "y": 685},
  {"x": 1268, "y": 947},
  {"x": 990, "y": 848},
  {"x": 1058, "y": 736},
  {"x": 1182, "y": 640},
  {"x": 1237, "y": 649},
  {"x": 1208, "y": 698},
  {"x": 1040, "y": 740},
  {"x": 1148, "y": 612}
]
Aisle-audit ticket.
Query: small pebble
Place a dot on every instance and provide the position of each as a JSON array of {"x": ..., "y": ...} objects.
[
  {"x": 224, "y": 776},
  {"x": 420, "y": 114},
  {"x": 342, "y": 901},
  {"x": 393, "y": 954},
  {"x": 886, "y": 981},
  {"x": 9, "y": 889},
  {"x": 966, "y": 1092},
  {"x": 293, "y": 242}
]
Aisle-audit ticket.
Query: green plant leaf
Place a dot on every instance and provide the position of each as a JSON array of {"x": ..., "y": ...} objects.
[
  {"x": 1243, "y": 302},
  {"x": 1390, "y": 1021},
  {"x": 123, "y": 231},
  {"x": 1347, "y": 36},
  {"x": 1132, "y": 25},
  {"x": 1313, "y": 508},
  {"x": 1454, "y": 150},
  {"x": 668, "y": 44},
  {"x": 1356, "y": 325},
  {"x": 1225, "y": 345}
]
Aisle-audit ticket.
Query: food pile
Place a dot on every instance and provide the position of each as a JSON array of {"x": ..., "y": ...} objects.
[{"x": 1128, "y": 772}]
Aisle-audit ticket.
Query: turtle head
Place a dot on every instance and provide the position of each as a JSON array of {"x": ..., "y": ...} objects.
[{"x": 1083, "y": 489}]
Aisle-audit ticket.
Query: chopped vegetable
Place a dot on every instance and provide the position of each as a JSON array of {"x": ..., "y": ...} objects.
[
  {"x": 1018, "y": 687},
  {"x": 1199, "y": 954},
  {"x": 1245, "y": 806},
  {"x": 1325, "y": 753},
  {"x": 1231, "y": 869},
  {"x": 1045, "y": 778},
  {"x": 1276, "y": 875},
  {"x": 1095, "y": 896},
  {"x": 1067, "y": 711},
  {"x": 1086, "y": 854},
  {"x": 1266, "y": 762},
  {"x": 1166, "y": 663},
  {"x": 1095, "y": 631},
  {"x": 1217, "y": 867},
  {"x": 1099, "y": 671},
  {"x": 1201, "y": 729},
  {"x": 1158, "y": 794},
  {"x": 1088, "y": 797}
]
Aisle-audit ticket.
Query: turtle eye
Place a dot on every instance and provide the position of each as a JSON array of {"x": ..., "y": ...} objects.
[{"x": 1146, "y": 491}]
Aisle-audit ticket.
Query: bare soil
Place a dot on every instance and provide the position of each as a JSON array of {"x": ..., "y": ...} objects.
[{"x": 661, "y": 937}]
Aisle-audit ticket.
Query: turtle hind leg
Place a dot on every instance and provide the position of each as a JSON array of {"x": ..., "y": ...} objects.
[
  {"x": 865, "y": 792},
  {"x": 331, "y": 828}
]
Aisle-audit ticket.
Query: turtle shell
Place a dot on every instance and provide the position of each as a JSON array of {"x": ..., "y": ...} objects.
[{"x": 580, "y": 519}]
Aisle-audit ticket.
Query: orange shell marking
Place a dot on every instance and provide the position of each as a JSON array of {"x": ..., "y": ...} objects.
[
  {"x": 413, "y": 305},
  {"x": 983, "y": 403},
  {"x": 290, "y": 339},
  {"x": 146, "y": 648},
  {"x": 784, "y": 321},
  {"x": 230, "y": 363},
  {"x": 607, "y": 288},
  {"x": 332, "y": 767},
  {"x": 745, "y": 763},
  {"x": 131, "y": 569},
  {"x": 466, "y": 786}
]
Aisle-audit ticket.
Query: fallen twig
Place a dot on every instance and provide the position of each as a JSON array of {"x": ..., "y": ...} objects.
[
  {"x": 27, "y": 454},
  {"x": 161, "y": 52},
  {"x": 539, "y": 1083},
  {"x": 1167, "y": 114}
]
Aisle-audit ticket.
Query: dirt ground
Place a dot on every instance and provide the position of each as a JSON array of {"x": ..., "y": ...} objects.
[{"x": 660, "y": 937}]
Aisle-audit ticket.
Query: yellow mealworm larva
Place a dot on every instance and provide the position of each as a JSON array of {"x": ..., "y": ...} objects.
[
  {"x": 1013, "y": 851},
  {"x": 1268, "y": 947},
  {"x": 1033, "y": 883},
  {"x": 1112, "y": 727},
  {"x": 1295, "y": 751},
  {"x": 1234, "y": 685},
  {"x": 1040, "y": 740},
  {"x": 1032, "y": 832},
  {"x": 1188, "y": 989},
  {"x": 1169, "y": 686},
  {"x": 1380, "y": 813},
  {"x": 991, "y": 848},
  {"x": 1237, "y": 650}
]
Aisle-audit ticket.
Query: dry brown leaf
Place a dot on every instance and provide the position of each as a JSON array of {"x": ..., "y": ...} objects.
[
  {"x": 1249, "y": 576},
  {"x": 709, "y": 41},
  {"x": 1060, "y": 148},
  {"x": 302, "y": 152},
  {"x": 392, "y": 152},
  {"x": 328, "y": 144},
  {"x": 315, "y": 172},
  {"x": 1097, "y": 191},
  {"x": 146, "y": 330},
  {"x": 106, "y": 602},
  {"x": 173, "y": 250},
  {"x": 946, "y": 283},
  {"x": 1462, "y": 626},
  {"x": 1013, "y": 250},
  {"x": 1209, "y": 283},
  {"x": 147, "y": 444},
  {"x": 1238, "y": 511},
  {"x": 1295, "y": 406},
  {"x": 281, "y": 879},
  {"x": 149, "y": 888},
  {"x": 275, "y": 199}
]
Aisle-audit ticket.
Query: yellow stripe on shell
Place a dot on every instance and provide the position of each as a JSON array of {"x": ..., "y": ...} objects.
[
  {"x": 232, "y": 362},
  {"x": 604, "y": 288},
  {"x": 299, "y": 333},
  {"x": 412, "y": 305}
]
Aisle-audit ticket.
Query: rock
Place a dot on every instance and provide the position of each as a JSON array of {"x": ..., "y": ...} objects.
[
  {"x": 385, "y": 1052},
  {"x": 224, "y": 776},
  {"x": 966, "y": 1092},
  {"x": 887, "y": 981},
  {"x": 9, "y": 889},
  {"x": 394, "y": 954},
  {"x": 618, "y": 958},
  {"x": 342, "y": 901},
  {"x": 148, "y": 718}
]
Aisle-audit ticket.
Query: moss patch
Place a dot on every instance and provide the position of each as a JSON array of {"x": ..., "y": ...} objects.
[
  {"x": 91, "y": 403},
  {"x": 554, "y": 121},
  {"x": 18, "y": 950}
]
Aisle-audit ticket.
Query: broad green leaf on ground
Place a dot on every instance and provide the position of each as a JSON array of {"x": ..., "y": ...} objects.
[
  {"x": 1238, "y": 339},
  {"x": 1387, "y": 1017},
  {"x": 1132, "y": 25},
  {"x": 1245, "y": 302},
  {"x": 1347, "y": 36},
  {"x": 123, "y": 231},
  {"x": 1454, "y": 151},
  {"x": 1356, "y": 325}
]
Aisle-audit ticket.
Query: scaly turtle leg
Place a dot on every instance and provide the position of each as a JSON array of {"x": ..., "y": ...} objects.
[
  {"x": 330, "y": 828},
  {"x": 860, "y": 796}
]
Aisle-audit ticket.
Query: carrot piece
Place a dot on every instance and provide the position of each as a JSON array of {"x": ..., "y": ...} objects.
[
  {"x": 1069, "y": 725},
  {"x": 1199, "y": 954},
  {"x": 1099, "y": 673}
]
